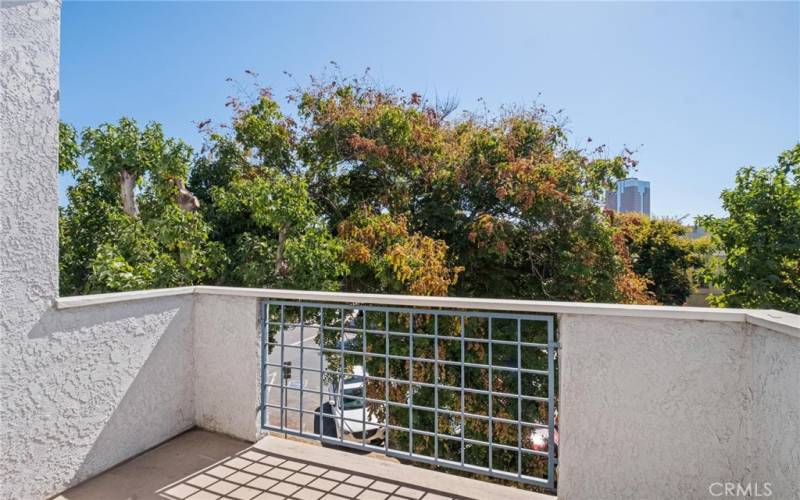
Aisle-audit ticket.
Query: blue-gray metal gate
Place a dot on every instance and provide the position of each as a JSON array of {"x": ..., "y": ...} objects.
[{"x": 470, "y": 390}]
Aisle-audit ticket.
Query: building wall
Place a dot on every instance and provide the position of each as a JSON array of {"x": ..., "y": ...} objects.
[
  {"x": 227, "y": 362},
  {"x": 775, "y": 386},
  {"x": 92, "y": 387},
  {"x": 80, "y": 390},
  {"x": 655, "y": 408}
]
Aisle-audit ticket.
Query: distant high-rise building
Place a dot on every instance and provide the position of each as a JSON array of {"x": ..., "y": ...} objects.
[{"x": 631, "y": 195}]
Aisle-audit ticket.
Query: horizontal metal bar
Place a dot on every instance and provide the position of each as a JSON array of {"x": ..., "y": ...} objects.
[
  {"x": 420, "y": 458},
  {"x": 397, "y": 357},
  {"x": 427, "y": 311},
  {"x": 395, "y": 404},
  {"x": 524, "y": 397}
]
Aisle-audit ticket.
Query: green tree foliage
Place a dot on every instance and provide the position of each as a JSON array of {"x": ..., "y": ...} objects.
[
  {"x": 109, "y": 243},
  {"x": 370, "y": 189},
  {"x": 661, "y": 254},
  {"x": 515, "y": 205},
  {"x": 760, "y": 238},
  {"x": 259, "y": 205}
]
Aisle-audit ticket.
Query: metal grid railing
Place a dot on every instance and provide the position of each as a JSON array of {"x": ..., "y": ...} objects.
[{"x": 470, "y": 390}]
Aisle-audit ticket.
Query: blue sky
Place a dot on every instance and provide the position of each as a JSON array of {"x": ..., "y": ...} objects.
[{"x": 699, "y": 89}]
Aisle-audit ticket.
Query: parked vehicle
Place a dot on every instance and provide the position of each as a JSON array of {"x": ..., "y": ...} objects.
[
  {"x": 540, "y": 437},
  {"x": 353, "y": 421}
]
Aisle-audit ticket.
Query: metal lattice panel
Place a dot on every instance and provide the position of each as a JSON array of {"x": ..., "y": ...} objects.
[{"x": 470, "y": 390}]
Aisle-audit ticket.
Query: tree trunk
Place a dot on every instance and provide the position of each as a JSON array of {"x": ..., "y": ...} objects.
[
  {"x": 281, "y": 268},
  {"x": 126, "y": 185},
  {"x": 186, "y": 199}
]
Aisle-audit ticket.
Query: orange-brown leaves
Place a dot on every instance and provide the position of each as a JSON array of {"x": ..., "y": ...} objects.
[
  {"x": 631, "y": 287},
  {"x": 401, "y": 261}
]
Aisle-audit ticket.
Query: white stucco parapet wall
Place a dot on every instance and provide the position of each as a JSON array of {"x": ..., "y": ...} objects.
[
  {"x": 656, "y": 402},
  {"x": 774, "y": 320}
]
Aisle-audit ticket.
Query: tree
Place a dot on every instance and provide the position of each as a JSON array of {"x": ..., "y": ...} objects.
[
  {"x": 259, "y": 205},
  {"x": 760, "y": 238},
  {"x": 515, "y": 205},
  {"x": 661, "y": 254},
  {"x": 130, "y": 222},
  {"x": 288, "y": 245}
]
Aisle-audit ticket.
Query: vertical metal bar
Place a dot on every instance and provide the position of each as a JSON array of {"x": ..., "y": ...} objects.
[
  {"x": 463, "y": 422},
  {"x": 280, "y": 374},
  {"x": 264, "y": 351},
  {"x": 302, "y": 333},
  {"x": 340, "y": 384},
  {"x": 364, "y": 378},
  {"x": 386, "y": 385},
  {"x": 436, "y": 387},
  {"x": 519, "y": 398},
  {"x": 491, "y": 396},
  {"x": 551, "y": 437},
  {"x": 410, "y": 383},
  {"x": 320, "y": 374}
]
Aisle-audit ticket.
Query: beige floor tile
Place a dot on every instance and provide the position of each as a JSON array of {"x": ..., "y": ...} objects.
[
  {"x": 181, "y": 491},
  {"x": 372, "y": 495},
  {"x": 314, "y": 470},
  {"x": 221, "y": 471},
  {"x": 252, "y": 455},
  {"x": 269, "y": 496},
  {"x": 308, "y": 494},
  {"x": 240, "y": 478},
  {"x": 222, "y": 487},
  {"x": 279, "y": 474},
  {"x": 204, "y": 495},
  {"x": 409, "y": 492},
  {"x": 335, "y": 475},
  {"x": 237, "y": 463},
  {"x": 270, "y": 460},
  {"x": 323, "y": 484},
  {"x": 300, "y": 478},
  {"x": 292, "y": 465},
  {"x": 359, "y": 481},
  {"x": 347, "y": 490},
  {"x": 244, "y": 493},
  {"x": 284, "y": 488},
  {"x": 257, "y": 469},
  {"x": 201, "y": 480},
  {"x": 383, "y": 486},
  {"x": 262, "y": 483}
]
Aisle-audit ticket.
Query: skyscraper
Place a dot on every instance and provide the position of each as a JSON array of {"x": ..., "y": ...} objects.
[{"x": 631, "y": 195}]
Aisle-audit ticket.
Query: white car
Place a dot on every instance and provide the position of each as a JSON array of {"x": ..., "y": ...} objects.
[{"x": 353, "y": 421}]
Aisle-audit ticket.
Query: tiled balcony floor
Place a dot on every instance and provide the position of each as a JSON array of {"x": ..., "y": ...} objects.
[{"x": 199, "y": 465}]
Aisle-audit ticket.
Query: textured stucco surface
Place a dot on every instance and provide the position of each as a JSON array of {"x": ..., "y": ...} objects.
[
  {"x": 775, "y": 455},
  {"x": 664, "y": 408},
  {"x": 91, "y": 388},
  {"x": 81, "y": 390},
  {"x": 227, "y": 360}
]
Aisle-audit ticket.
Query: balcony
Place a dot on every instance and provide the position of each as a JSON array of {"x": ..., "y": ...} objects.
[
  {"x": 186, "y": 392},
  {"x": 641, "y": 394}
]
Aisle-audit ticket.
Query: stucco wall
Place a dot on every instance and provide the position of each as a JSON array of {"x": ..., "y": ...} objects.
[
  {"x": 227, "y": 360},
  {"x": 654, "y": 408},
  {"x": 80, "y": 390},
  {"x": 775, "y": 452},
  {"x": 92, "y": 387}
]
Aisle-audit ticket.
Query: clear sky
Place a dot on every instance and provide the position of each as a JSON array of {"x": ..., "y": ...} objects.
[{"x": 699, "y": 89}]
